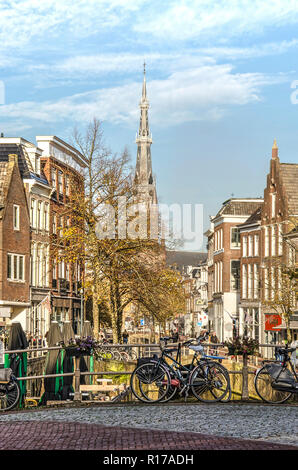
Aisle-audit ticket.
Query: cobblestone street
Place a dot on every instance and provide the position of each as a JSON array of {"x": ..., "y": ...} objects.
[{"x": 217, "y": 426}]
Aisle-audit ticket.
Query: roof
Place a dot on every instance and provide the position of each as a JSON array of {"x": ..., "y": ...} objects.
[
  {"x": 6, "y": 170},
  {"x": 6, "y": 149},
  {"x": 24, "y": 163},
  {"x": 254, "y": 218},
  {"x": 182, "y": 259},
  {"x": 241, "y": 207},
  {"x": 289, "y": 175}
]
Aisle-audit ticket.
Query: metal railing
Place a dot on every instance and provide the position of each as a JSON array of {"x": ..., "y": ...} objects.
[{"x": 146, "y": 349}]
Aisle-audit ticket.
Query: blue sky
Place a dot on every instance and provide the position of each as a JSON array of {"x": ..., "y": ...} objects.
[{"x": 219, "y": 78}]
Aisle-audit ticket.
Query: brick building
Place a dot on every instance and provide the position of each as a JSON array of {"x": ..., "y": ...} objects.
[
  {"x": 278, "y": 224},
  {"x": 63, "y": 166},
  {"x": 14, "y": 244},
  {"x": 224, "y": 264},
  {"x": 250, "y": 262}
]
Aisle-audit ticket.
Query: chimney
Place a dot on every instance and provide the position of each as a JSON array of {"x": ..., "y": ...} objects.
[{"x": 274, "y": 150}]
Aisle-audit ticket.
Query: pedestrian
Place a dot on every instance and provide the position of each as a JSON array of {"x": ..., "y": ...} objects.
[
  {"x": 294, "y": 344},
  {"x": 125, "y": 336},
  {"x": 213, "y": 340},
  {"x": 202, "y": 335}
]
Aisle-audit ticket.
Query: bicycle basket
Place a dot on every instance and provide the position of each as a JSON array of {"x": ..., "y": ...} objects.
[{"x": 5, "y": 375}]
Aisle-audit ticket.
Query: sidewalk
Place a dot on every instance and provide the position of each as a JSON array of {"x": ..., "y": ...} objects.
[{"x": 57, "y": 435}]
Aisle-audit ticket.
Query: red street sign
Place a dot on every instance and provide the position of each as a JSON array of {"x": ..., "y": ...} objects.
[{"x": 272, "y": 321}]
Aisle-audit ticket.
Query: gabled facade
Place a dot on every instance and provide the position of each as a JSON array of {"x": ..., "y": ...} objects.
[
  {"x": 38, "y": 193},
  {"x": 279, "y": 216},
  {"x": 223, "y": 309},
  {"x": 14, "y": 245}
]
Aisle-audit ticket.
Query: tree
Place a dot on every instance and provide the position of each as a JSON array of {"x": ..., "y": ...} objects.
[{"x": 107, "y": 236}]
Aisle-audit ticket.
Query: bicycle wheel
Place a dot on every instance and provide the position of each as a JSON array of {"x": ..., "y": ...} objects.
[
  {"x": 9, "y": 396},
  {"x": 124, "y": 356},
  {"x": 265, "y": 391},
  {"x": 116, "y": 355},
  {"x": 150, "y": 382},
  {"x": 209, "y": 382}
]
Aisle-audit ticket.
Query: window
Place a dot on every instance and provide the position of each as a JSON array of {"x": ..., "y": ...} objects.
[
  {"x": 244, "y": 247},
  {"x": 54, "y": 223},
  {"x": 256, "y": 245},
  {"x": 279, "y": 228},
  {"x": 235, "y": 275},
  {"x": 244, "y": 281},
  {"x": 250, "y": 245},
  {"x": 15, "y": 267},
  {"x": 61, "y": 226},
  {"x": 266, "y": 285},
  {"x": 54, "y": 178},
  {"x": 39, "y": 219},
  {"x": 235, "y": 237},
  {"x": 250, "y": 279},
  {"x": 46, "y": 216},
  {"x": 256, "y": 281},
  {"x": 32, "y": 213},
  {"x": 16, "y": 217},
  {"x": 67, "y": 185},
  {"x": 273, "y": 241},
  {"x": 60, "y": 182},
  {"x": 266, "y": 241}
]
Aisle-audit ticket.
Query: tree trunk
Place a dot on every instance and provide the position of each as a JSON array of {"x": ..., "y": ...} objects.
[{"x": 95, "y": 315}]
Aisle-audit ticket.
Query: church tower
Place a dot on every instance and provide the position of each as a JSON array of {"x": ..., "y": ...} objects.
[{"x": 144, "y": 181}]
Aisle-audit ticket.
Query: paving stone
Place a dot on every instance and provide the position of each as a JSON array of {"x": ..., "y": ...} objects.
[{"x": 265, "y": 424}]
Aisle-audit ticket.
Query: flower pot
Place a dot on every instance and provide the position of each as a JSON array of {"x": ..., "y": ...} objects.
[{"x": 75, "y": 352}]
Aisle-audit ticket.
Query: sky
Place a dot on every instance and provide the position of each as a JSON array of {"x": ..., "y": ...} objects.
[{"x": 222, "y": 82}]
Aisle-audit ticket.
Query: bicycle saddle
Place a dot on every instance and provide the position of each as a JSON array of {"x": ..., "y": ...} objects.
[{"x": 170, "y": 350}]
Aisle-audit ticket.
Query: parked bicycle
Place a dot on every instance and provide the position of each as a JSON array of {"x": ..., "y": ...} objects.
[
  {"x": 9, "y": 390},
  {"x": 276, "y": 383},
  {"x": 156, "y": 380}
]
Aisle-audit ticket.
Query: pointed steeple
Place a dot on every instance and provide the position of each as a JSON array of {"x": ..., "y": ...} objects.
[{"x": 145, "y": 185}]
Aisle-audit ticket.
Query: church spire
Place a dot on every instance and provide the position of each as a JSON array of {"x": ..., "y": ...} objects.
[{"x": 144, "y": 182}]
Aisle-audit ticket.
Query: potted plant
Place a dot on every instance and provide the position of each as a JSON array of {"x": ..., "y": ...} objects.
[
  {"x": 78, "y": 347},
  {"x": 241, "y": 346}
]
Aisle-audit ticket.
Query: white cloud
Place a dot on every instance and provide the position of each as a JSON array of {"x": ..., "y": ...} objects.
[
  {"x": 227, "y": 18},
  {"x": 187, "y": 95},
  {"x": 23, "y": 21}
]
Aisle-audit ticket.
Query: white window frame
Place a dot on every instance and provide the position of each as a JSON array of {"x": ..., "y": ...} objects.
[
  {"x": 15, "y": 276},
  {"x": 256, "y": 244},
  {"x": 237, "y": 245},
  {"x": 273, "y": 240},
  {"x": 244, "y": 281},
  {"x": 16, "y": 217},
  {"x": 244, "y": 245},
  {"x": 250, "y": 246}
]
